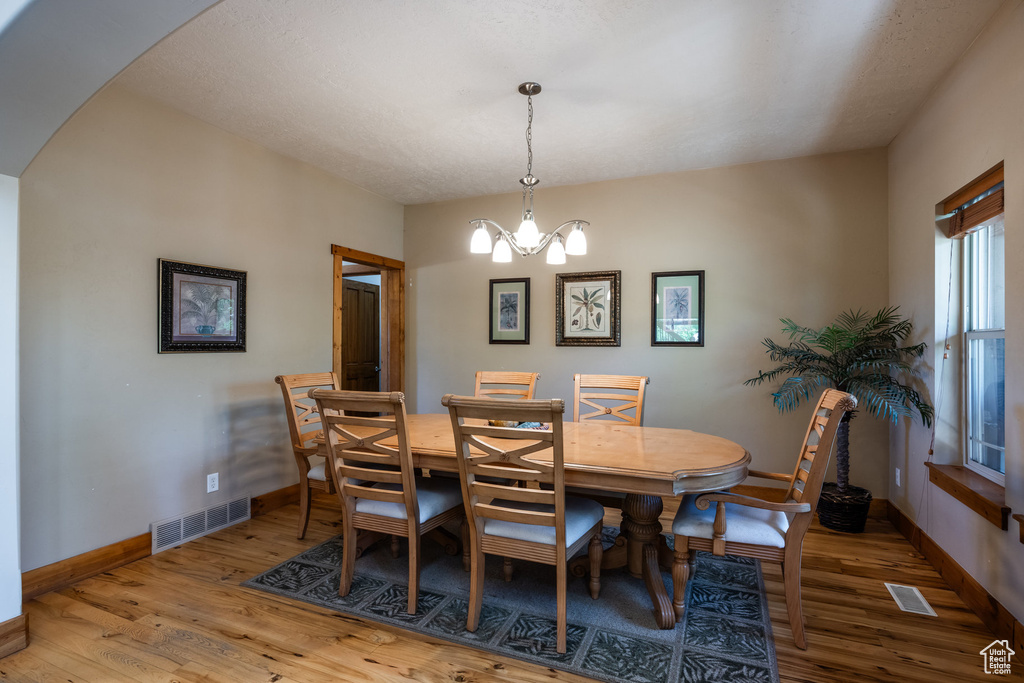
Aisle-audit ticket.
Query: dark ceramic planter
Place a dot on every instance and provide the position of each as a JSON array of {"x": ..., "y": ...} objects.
[{"x": 846, "y": 511}]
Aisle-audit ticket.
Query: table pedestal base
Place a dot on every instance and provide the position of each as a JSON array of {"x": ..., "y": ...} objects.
[{"x": 642, "y": 549}]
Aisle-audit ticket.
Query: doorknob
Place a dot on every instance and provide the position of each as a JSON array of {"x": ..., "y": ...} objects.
[{"x": 377, "y": 369}]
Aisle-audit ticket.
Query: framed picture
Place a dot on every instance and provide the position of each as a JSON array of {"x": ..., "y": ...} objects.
[
  {"x": 587, "y": 308},
  {"x": 510, "y": 311},
  {"x": 677, "y": 308},
  {"x": 202, "y": 308}
]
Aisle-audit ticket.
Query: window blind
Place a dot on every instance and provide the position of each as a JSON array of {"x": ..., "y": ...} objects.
[{"x": 970, "y": 217}]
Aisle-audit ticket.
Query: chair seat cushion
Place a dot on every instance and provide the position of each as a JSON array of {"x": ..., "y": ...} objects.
[
  {"x": 434, "y": 495},
  {"x": 580, "y": 517},
  {"x": 743, "y": 524},
  {"x": 317, "y": 472},
  {"x": 455, "y": 476}
]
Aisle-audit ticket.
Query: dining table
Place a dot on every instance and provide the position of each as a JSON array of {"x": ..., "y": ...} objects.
[{"x": 644, "y": 463}]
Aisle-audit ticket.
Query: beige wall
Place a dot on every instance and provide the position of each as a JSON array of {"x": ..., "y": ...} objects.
[
  {"x": 802, "y": 238},
  {"x": 971, "y": 123},
  {"x": 114, "y": 435}
]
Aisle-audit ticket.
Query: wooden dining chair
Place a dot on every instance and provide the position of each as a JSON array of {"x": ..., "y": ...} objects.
[
  {"x": 378, "y": 489},
  {"x": 304, "y": 428},
  {"x": 619, "y": 399},
  {"x": 532, "y": 524},
  {"x": 752, "y": 527},
  {"x": 501, "y": 384}
]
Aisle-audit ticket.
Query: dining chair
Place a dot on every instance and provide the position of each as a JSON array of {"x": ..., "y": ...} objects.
[
  {"x": 533, "y": 524},
  {"x": 378, "y": 489},
  {"x": 752, "y": 527},
  {"x": 501, "y": 384},
  {"x": 304, "y": 428},
  {"x": 620, "y": 399}
]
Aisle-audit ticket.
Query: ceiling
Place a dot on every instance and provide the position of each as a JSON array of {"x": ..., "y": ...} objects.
[{"x": 418, "y": 102}]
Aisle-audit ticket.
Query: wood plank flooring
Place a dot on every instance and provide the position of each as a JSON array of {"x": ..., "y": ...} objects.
[{"x": 180, "y": 615}]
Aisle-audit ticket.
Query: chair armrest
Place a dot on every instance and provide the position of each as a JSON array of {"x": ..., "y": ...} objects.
[
  {"x": 703, "y": 502},
  {"x": 769, "y": 475}
]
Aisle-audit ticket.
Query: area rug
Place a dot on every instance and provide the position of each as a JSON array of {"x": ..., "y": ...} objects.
[{"x": 725, "y": 634}]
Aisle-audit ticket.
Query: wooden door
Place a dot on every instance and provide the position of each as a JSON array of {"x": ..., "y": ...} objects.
[
  {"x": 392, "y": 311},
  {"x": 360, "y": 348}
]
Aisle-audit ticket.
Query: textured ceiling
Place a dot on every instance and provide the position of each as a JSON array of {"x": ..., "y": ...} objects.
[{"x": 417, "y": 101}]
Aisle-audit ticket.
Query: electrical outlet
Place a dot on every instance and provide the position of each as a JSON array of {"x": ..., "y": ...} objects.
[
  {"x": 212, "y": 482},
  {"x": 898, "y": 477}
]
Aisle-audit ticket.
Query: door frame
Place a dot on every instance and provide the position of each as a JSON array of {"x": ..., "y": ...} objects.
[{"x": 392, "y": 313}]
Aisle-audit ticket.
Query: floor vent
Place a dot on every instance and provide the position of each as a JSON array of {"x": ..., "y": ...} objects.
[
  {"x": 174, "y": 531},
  {"x": 909, "y": 599}
]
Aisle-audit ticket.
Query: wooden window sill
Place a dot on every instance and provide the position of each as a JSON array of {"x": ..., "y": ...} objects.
[
  {"x": 985, "y": 497},
  {"x": 1020, "y": 524}
]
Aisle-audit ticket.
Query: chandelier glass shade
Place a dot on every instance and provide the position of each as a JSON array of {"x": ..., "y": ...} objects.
[{"x": 528, "y": 240}]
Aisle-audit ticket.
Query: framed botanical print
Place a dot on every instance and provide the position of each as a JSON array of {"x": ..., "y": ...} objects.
[
  {"x": 587, "y": 307},
  {"x": 510, "y": 311},
  {"x": 677, "y": 308},
  {"x": 201, "y": 308}
]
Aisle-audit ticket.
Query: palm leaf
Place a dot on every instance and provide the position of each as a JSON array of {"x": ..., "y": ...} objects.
[{"x": 860, "y": 352}]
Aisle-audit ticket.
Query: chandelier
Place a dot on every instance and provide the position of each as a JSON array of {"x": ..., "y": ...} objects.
[{"x": 528, "y": 240}]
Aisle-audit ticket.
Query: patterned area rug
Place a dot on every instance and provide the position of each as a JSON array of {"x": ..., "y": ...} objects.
[{"x": 725, "y": 635}]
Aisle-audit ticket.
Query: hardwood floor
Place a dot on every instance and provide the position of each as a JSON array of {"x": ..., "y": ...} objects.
[{"x": 180, "y": 615}]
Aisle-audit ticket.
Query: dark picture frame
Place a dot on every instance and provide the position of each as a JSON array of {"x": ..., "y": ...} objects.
[
  {"x": 588, "y": 308},
  {"x": 201, "y": 308},
  {"x": 509, "y": 311},
  {"x": 677, "y": 308}
]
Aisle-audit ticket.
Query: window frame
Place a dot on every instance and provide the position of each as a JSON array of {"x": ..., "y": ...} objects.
[{"x": 967, "y": 336}]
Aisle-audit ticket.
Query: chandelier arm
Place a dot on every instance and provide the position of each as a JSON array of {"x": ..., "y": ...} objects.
[
  {"x": 546, "y": 239},
  {"x": 509, "y": 237}
]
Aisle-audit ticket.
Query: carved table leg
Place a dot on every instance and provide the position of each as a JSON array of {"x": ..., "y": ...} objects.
[
  {"x": 644, "y": 545},
  {"x": 641, "y": 526},
  {"x": 664, "y": 614},
  {"x": 640, "y": 548}
]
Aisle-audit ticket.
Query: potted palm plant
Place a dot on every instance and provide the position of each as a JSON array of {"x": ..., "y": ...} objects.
[{"x": 864, "y": 355}]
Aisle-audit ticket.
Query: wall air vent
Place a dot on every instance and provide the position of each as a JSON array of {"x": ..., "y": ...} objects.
[
  {"x": 909, "y": 599},
  {"x": 168, "y": 533}
]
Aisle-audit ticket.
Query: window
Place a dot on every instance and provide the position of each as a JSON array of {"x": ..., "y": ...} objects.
[{"x": 984, "y": 348}]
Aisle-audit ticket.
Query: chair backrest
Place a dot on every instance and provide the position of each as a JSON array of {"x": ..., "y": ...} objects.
[
  {"x": 303, "y": 418},
  {"x": 819, "y": 442},
  {"x": 357, "y": 457},
  {"x": 490, "y": 465},
  {"x": 502, "y": 384},
  {"x": 623, "y": 393}
]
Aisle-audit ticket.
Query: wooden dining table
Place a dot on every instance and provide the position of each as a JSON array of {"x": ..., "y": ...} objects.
[{"x": 645, "y": 463}]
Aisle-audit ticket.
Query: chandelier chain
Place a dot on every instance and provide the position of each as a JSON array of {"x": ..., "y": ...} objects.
[{"x": 529, "y": 136}]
